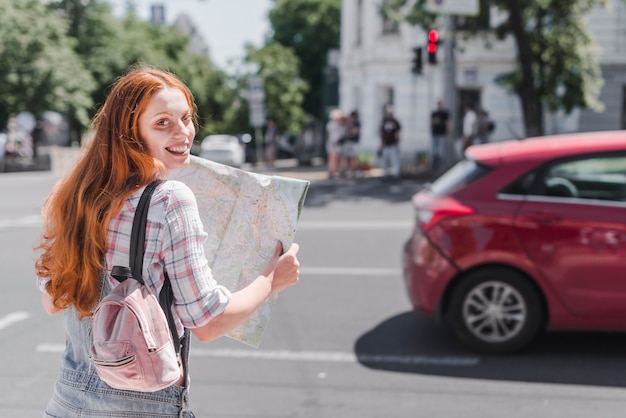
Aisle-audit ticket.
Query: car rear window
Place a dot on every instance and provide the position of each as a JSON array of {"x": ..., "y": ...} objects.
[{"x": 463, "y": 173}]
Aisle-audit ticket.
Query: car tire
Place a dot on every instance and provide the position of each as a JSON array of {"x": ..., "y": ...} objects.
[{"x": 496, "y": 310}]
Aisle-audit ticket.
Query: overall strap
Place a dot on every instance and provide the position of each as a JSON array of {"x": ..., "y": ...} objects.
[
  {"x": 138, "y": 234},
  {"x": 137, "y": 250}
]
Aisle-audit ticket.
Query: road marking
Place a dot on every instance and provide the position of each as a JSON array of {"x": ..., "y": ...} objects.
[
  {"x": 354, "y": 225},
  {"x": 317, "y": 356},
  {"x": 26, "y": 221},
  {"x": 50, "y": 348},
  {"x": 339, "y": 357},
  {"x": 350, "y": 271},
  {"x": 13, "y": 318}
]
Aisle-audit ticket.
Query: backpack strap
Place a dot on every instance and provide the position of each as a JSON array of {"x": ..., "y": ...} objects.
[{"x": 137, "y": 250}]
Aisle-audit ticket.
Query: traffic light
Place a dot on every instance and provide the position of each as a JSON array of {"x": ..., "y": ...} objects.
[
  {"x": 417, "y": 61},
  {"x": 433, "y": 42}
]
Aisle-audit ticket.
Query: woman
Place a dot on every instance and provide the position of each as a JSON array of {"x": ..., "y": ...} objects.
[
  {"x": 335, "y": 130},
  {"x": 145, "y": 127}
]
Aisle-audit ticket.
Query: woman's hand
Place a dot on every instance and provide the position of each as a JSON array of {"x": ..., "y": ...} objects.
[
  {"x": 283, "y": 270},
  {"x": 280, "y": 272}
]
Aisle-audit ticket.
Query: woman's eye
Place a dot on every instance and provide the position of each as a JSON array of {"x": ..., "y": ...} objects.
[
  {"x": 187, "y": 117},
  {"x": 163, "y": 122}
]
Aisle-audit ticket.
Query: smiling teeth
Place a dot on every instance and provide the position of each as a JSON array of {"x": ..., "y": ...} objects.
[{"x": 178, "y": 150}]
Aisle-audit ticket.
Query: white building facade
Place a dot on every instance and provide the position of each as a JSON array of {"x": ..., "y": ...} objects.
[{"x": 375, "y": 69}]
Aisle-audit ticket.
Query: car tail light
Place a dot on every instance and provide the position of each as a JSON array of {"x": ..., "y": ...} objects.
[{"x": 430, "y": 212}]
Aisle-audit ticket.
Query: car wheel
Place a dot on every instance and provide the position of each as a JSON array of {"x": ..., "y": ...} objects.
[{"x": 495, "y": 310}]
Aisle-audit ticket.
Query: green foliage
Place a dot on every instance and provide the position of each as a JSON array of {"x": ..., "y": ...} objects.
[
  {"x": 310, "y": 28},
  {"x": 64, "y": 57},
  {"x": 284, "y": 89},
  {"x": 564, "y": 58},
  {"x": 39, "y": 69}
]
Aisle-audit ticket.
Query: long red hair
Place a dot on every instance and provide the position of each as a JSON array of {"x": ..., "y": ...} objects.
[{"x": 114, "y": 164}]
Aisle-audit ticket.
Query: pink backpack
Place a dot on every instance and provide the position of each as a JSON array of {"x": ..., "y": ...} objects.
[{"x": 135, "y": 343}]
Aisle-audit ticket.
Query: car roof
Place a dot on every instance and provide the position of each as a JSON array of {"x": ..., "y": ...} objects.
[{"x": 547, "y": 147}]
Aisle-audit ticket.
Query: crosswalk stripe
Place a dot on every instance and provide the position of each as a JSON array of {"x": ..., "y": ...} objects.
[{"x": 13, "y": 318}]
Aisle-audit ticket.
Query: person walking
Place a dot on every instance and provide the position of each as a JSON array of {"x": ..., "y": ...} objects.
[
  {"x": 271, "y": 143},
  {"x": 145, "y": 128},
  {"x": 484, "y": 127},
  {"x": 335, "y": 130},
  {"x": 390, "y": 145},
  {"x": 348, "y": 162},
  {"x": 469, "y": 127},
  {"x": 439, "y": 121}
]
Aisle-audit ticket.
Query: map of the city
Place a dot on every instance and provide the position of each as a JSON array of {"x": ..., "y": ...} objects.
[{"x": 245, "y": 214}]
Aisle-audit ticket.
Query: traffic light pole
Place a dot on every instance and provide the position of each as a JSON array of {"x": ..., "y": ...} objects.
[{"x": 449, "y": 84}]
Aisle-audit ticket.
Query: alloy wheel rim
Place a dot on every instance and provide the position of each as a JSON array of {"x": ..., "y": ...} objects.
[{"x": 494, "y": 312}]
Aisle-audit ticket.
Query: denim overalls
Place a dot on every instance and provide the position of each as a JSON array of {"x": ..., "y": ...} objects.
[{"x": 79, "y": 392}]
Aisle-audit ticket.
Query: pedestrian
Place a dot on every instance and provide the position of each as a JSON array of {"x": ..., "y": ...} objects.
[
  {"x": 439, "y": 121},
  {"x": 390, "y": 145},
  {"x": 271, "y": 142},
  {"x": 469, "y": 127},
  {"x": 484, "y": 127},
  {"x": 335, "y": 130},
  {"x": 145, "y": 127},
  {"x": 348, "y": 162}
]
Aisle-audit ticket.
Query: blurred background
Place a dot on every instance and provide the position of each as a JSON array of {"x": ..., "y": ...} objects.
[{"x": 534, "y": 68}]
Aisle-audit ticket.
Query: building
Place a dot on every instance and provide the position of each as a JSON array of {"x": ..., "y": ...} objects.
[
  {"x": 184, "y": 23},
  {"x": 375, "y": 69}
]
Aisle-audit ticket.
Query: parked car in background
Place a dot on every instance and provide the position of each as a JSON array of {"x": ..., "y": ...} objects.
[
  {"x": 521, "y": 237},
  {"x": 224, "y": 149}
]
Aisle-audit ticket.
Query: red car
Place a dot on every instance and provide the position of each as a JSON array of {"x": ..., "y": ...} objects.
[{"x": 523, "y": 237}]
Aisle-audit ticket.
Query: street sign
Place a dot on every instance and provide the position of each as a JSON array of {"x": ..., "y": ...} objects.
[
  {"x": 257, "y": 114},
  {"x": 256, "y": 101},
  {"x": 256, "y": 93},
  {"x": 453, "y": 7}
]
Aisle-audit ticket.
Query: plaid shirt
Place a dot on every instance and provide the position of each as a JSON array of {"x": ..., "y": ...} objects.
[{"x": 174, "y": 241}]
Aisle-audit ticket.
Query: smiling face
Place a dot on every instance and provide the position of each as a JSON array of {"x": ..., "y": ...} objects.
[{"x": 167, "y": 127}]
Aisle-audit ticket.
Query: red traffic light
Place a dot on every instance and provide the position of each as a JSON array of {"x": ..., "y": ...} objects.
[
  {"x": 433, "y": 36},
  {"x": 431, "y": 46}
]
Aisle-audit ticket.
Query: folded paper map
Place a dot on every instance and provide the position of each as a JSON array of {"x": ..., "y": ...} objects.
[{"x": 245, "y": 215}]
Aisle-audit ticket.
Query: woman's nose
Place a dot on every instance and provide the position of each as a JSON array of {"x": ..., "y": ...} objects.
[{"x": 182, "y": 128}]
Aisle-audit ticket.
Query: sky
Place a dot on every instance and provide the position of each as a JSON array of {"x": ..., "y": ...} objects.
[{"x": 226, "y": 25}]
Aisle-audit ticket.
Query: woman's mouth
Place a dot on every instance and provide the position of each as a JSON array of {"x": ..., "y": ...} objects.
[{"x": 178, "y": 150}]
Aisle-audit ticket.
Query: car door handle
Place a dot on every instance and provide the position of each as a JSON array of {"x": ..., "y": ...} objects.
[{"x": 545, "y": 218}]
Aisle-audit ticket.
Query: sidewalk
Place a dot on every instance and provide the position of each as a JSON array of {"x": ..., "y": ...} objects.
[
  {"x": 62, "y": 158},
  {"x": 317, "y": 171}
]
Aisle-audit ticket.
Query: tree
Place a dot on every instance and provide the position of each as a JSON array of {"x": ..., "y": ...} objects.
[
  {"x": 39, "y": 69},
  {"x": 557, "y": 66},
  {"x": 284, "y": 89},
  {"x": 310, "y": 28},
  {"x": 109, "y": 46}
]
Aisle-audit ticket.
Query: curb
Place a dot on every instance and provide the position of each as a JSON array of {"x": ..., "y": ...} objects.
[{"x": 58, "y": 160}]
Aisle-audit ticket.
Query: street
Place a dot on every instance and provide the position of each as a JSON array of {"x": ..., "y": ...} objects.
[{"x": 342, "y": 343}]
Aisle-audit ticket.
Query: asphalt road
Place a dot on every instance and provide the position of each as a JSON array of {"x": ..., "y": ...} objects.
[{"x": 342, "y": 343}]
